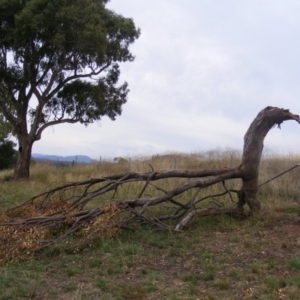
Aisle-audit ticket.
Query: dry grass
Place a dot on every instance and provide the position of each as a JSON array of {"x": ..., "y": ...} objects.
[
  {"x": 45, "y": 175},
  {"x": 216, "y": 258}
]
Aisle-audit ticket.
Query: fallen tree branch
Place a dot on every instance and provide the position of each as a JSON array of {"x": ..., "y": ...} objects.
[
  {"x": 63, "y": 208},
  {"x": 211, "y": 211}
]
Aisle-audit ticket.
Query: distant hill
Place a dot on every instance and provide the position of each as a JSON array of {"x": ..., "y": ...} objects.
[{"x": 78, "y": 158}]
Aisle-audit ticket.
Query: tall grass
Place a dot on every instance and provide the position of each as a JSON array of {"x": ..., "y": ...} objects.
[
  {"x": 217, "y": 258},
  {"x": 46, "y": 175}
]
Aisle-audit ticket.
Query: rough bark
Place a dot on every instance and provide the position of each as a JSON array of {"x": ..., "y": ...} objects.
[
  {"x": 253, "y": 147},
  {"x": 25, "y": 138},
  {"x": 22, "y": 167},
  {"x": 25, "y": 141}
]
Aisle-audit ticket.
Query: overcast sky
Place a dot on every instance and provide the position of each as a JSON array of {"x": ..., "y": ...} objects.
[{"x": 203, "y": 71}]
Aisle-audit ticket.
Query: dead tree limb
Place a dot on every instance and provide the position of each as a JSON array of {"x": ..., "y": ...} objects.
[
  {"x": 253, "y": 147},
  {"x": 64, "y": 207}
]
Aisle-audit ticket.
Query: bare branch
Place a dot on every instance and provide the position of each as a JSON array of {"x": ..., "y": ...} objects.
[{"x": 63, "y": 207}]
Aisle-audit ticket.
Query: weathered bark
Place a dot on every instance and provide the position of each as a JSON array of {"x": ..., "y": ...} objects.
[
  {"x": 25, "y": 138},
  {"x": 253, "y": 147},
  {"x": 22, "y": 167},
  {"x": 211, "y": 211},
  {"x": 25, "y": 141}
]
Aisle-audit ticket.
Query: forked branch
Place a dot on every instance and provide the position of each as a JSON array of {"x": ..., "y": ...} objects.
[{"x": 71, "y": 207}]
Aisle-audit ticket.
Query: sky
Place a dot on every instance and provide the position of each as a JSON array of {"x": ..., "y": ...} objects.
[{"x": 203, "y": 71}]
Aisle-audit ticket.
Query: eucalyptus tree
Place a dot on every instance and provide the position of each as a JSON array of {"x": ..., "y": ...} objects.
[{"x": 59, "y": 63}]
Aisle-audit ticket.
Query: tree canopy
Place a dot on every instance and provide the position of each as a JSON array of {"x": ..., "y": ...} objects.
[
  {"x": 5, "y": 128},
  {"x": 7, "y": 151},
  {"x": 7, "y": 154},
  {"x": 59, "y": 62}
]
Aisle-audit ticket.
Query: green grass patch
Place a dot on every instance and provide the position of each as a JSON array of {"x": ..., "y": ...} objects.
[
  {"x": 74, "y": 271},
  {"x": 234, "y": 274},
  {"x": 151, "y": 281},
  {"x": 294, "y": 263},
  {"x": 294, "y": 281},
  {"x": 69, "y": 288},
  {"x": 102, "y": 285},
  {"x": 275, "y": 283},
  {"x": 222, "y": 284},
  {"x": 289, "y": 210},
  {"x": 192, "y": 278},
  {"x": 131, "y": 248}
]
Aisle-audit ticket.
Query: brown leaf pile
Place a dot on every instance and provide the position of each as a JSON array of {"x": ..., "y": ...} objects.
[{"x": 19, "y": 240}]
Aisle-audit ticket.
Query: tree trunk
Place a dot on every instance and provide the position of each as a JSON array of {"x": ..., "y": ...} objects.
[
  {"x": 253, "y": 147},
  {"x": 22, "y": 167},
  {"x": 61, "y": 208}
]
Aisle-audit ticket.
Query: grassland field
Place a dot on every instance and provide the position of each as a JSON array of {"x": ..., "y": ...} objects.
[{"x": 214, "y": 258}]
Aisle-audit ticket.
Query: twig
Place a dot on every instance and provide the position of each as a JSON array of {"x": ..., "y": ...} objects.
[{"x": 228, "y": 191}]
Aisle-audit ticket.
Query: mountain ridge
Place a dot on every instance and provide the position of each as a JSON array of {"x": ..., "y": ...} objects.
[{"x": 69, "y": 158}]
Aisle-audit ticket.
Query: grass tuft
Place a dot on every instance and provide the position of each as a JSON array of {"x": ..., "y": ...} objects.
[{"x": 294, "y": 263}]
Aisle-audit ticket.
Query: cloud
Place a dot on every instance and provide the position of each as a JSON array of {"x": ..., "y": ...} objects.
[{"x": 203, "y": 71}]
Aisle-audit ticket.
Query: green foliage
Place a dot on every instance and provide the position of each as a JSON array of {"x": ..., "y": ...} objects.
[
  {"x": 62, "y": 41},
  {"x": 5, "y": 127},
  {"x": 7, "y": 154},
  {"x": 66, "y": 54}
]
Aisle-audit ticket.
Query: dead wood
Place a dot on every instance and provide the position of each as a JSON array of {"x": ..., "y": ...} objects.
[
  {"x": 253, "y": 147},
  {"x": 64, "y": 208}
]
